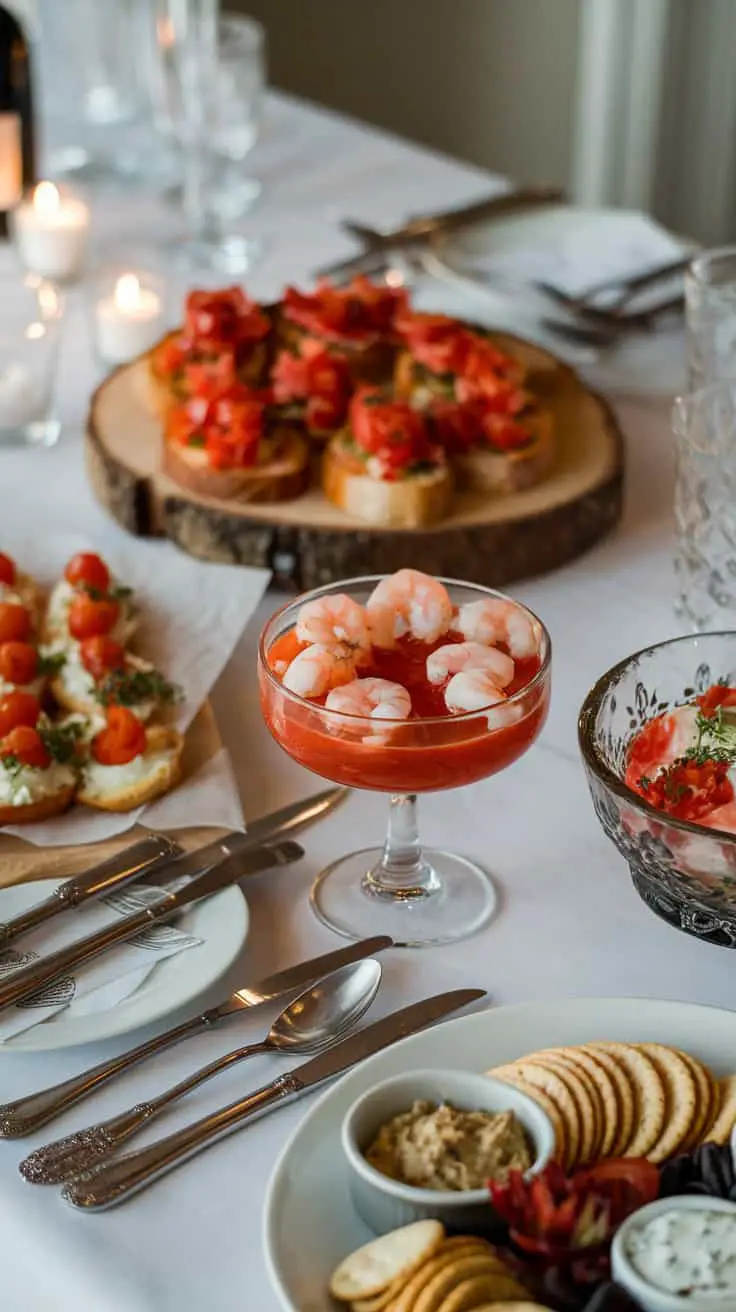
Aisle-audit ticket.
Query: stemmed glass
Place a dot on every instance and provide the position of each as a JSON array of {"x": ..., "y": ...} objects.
[
  {"x": 418, "y": 896},
  {"x": 213, "y": 74}
]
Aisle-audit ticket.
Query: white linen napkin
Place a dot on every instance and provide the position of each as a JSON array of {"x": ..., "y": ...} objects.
[{"x": 102, "y": 983}]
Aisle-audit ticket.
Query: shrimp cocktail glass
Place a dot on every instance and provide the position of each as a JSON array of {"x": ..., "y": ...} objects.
[{"x": 404, "y": 685}]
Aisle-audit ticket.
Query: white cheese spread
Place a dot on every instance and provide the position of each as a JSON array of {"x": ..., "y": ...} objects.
[
  {"x": 686, "y": 1251},
  {"x": 101, "y": 780},
  {"x": 57, "y": 616},
  {"x": 25, "y": 785}
]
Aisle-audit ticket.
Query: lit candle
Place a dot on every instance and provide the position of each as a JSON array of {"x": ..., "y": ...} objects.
[
  {"x": 50, "y": 232},
  {"x": 128, "y": 321}
]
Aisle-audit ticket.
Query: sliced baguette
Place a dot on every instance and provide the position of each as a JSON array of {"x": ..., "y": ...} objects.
[
  {"x": 410, "y": 502},
  {"x": 130, "y": 795},
  {"x": 499, "y": 473},
  {"x": 281, "y": 477},
  {"x": 46, "y": 808}
]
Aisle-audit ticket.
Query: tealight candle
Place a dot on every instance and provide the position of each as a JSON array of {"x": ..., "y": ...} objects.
[
  {"x": 50, "y": 231},
  {"x": 128, "y": 321}
]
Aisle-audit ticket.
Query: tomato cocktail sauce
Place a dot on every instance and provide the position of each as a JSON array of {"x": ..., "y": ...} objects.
[{"x": 433, "y": 749}]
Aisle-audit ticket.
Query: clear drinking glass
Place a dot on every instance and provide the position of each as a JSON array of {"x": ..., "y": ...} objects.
[
  {"x": 417, "y": 895},
  {"x": 705, "y": 506},
  {"x": 214, "y": 72},
  {"x": 30, "y": 320},
  {"x": 710, "y": 294}
]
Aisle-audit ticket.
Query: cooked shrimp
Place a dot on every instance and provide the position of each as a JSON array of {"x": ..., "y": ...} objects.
[
  {"x": 333, "y": 620},
  {"x": 378, "y": 699},
  {"x": 495, "y": 620},
  {"x": 458, "y": 656},
  {"x": 318, "y": 669},
  {"x": 472, "y": 690},
  {"x": 408, "y": 602}
]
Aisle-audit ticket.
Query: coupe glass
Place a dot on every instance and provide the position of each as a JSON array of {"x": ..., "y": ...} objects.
[{"x": 417, "y": 895}]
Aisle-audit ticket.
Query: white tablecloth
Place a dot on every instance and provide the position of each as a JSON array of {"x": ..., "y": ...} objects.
[{"x": 570, "y": 922}]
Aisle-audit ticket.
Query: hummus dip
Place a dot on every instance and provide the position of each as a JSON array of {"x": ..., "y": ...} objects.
[{"x": 443, "y": 1147}]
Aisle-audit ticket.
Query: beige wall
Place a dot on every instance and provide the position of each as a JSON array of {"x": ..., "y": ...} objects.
[{"x": 487, "y": 80}]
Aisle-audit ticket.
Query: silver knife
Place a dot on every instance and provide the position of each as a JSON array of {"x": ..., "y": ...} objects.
[
  {"x": 418, "y": 230},
  {"x": 29, "y": 979},
  {"x": 144, "y": 857},
  {"x": 115, "y": 1181},
  {"x": 26, "y": 1115}
]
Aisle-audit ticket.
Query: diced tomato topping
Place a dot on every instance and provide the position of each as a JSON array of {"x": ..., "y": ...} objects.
[
  {"x": 435, "y": 340},
  {"x": 18, "y": 708},
  {"x": 463, "y": 426},
  {"x": 317, "y": 376},
  {"x": 226, "y": 317},
  {"x": 92, "y": 616},
  {"x": 207, "y": 375},
  {"x": 88, "y": 570},
  {"x": 18, "y": 662},
  {"x": 719, "y": 695},
  {"x": 15, "y": 622},
  {"x": 229, "y": 428},
  {"x": 689, "y": 790},
  {"x": 27, "y": 746},
  {"x": 359, "y": 313},
  {"x": 391, "y": 431},
  {"x": 7, "y": 569},
  {"x": 122, "y": 740},
  {"x": 100, "y": 654}
]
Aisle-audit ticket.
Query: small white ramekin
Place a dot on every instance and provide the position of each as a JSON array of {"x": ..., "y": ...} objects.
[
  {"x": 660, "y": 1300},
  {"x": 386, "y": 1204}
]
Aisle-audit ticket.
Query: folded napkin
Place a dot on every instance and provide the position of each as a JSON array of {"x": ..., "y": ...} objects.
[{"x": 102, "y": 983}]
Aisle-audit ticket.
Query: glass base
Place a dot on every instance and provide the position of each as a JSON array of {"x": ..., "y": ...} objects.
[
  {"x": 454, "y": 899},
  {"x": 41, "y": 432},
  {"x": 228, "y": 255}
]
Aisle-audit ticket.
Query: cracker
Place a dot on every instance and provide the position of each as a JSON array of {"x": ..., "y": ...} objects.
[
  {"x": 464, "y": 1297},
  {"x": 442, "y": 1262},
  {"x": 372, "y": 1268},
  {"x": 725, "y": 1119},
  {"x": 511, "y": 1307},
  {"x": 626, "y": 1103},
  {"x": 707, "y": 1094},
  {"x": 681, "y": 1098},
  {"x": 649, "y": 1095},
  {"x": 585, "y": 1094},
  {"x": 606, "y": 1092},
  {"x": 555, "y": 1088}
]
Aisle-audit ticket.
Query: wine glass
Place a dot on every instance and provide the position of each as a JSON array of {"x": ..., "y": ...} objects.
[{"x": 418, "y": 896}]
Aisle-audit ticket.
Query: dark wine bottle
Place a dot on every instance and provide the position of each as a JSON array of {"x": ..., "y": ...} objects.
[{"x": 17, "y": 155}]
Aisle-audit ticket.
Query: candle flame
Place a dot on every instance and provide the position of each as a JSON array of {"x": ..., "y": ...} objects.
[
  {"x": 127, "y": 292},
  {"x": 46, "y": 198},
  {"x": 165, "y": 33}
]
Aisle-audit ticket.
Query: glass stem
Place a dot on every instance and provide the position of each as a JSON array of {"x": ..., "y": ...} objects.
[{"x": 402, "y": 871}]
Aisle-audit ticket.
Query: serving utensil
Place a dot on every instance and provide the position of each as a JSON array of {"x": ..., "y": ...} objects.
[
  {"x": 148, "y": 856},
  {"x": 311, "y": 1022},
  {"x": 112, "y": 1183},
  {"x": 620, "y": 290},
  {"x": 29, "y": 979},
  {"x": 26, "y": 1115},
  {"x": 419, "y": 229}
]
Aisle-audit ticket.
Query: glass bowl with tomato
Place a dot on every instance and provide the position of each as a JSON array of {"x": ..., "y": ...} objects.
[{"x": 657, "y": 734}]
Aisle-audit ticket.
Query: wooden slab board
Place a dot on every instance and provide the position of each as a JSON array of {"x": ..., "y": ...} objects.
[
  {"x": 21, "y": 861},
  {"x": 308, "y": 542}
]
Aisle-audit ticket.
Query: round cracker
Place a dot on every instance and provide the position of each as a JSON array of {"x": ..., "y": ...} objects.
[
  {"x": 551, "y": 1109},
  {"x": 649, "y": 1095},
  {"x": 460, "y": 1245},
  {"x": 707, "y": 1096},
  {"x": 512, "y": 1307},
  {"x": 626, "y": 1102},
  {"x": 725, "y": 1117},
  {"x": 464, "y": 1297},
  {"x": 606, "y": 1090},
  {"x": 441, "y": 1261},
  {"x": 586, "y": 1096},
  {"x": 681, "y": 1098},
  {"x": 372, "y": 1268},
  {"x": 551, "y": 1083}
]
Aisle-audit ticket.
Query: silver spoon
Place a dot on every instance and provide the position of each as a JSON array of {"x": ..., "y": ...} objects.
[{"x": 313, "y": 1021}]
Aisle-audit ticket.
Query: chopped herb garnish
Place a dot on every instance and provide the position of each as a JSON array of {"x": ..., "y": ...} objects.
[
  {"x": 716, "y": 740},
  {"x": 130, "y": 687},
  {"x": 117, "y": 593},
  {"x": 197, "y": 440},
  {"x": 11, "y": 764},
  {"x": 51, "y": 663},
  {"x": 60, "y": 740}
]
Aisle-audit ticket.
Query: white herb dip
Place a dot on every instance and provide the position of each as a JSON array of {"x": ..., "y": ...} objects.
[{"x": 686, "y": 1251}]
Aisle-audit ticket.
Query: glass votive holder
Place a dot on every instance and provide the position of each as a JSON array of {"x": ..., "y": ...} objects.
[
  {"x": 50, "y": 229},
  {"x": 129, "y": 310},
  {"x": 30, "y": 322}
]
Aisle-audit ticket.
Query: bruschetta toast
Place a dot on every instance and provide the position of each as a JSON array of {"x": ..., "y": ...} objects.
[{"x": 128, "y": 764}]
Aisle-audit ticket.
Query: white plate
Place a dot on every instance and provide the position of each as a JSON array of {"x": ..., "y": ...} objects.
[
  {"x": 309, "y": 1223},
  {"x": 573, "y": 248},
  {"x": 221, "y": 922}
]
